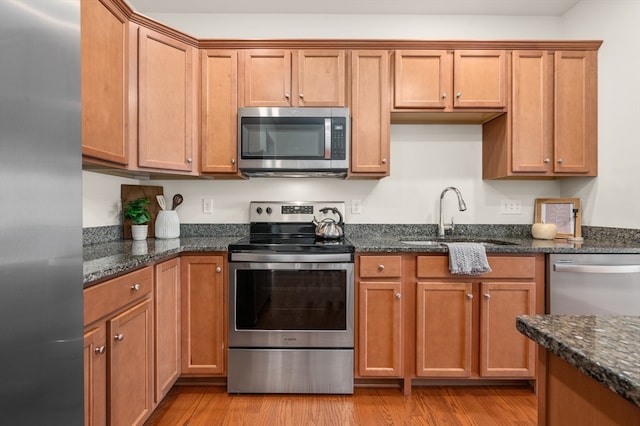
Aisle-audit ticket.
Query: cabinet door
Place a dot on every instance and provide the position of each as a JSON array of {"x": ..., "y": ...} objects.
[
  {"x": 166, "y": 102},
  {"x": 379, "y": 329},
  {"x": 104, "y": 30},
  {"x": 130, "y": 364},
  {"x": 444, "y": 329},
  {"x": 219, "y": 111},
  {"x": 95, "y": 376},
  {"x": 320, "y": 78},
  {"x": 505, "y": 352},
  {"x": 203, "y": 315},
  {"x": 167, "y": 326},
  {"x": 575, "y": 113},
  {"x": 422, "y": 79},
  {"x": 370, "y": 113},
  {"x": 531, "y": 112},
  {"x": 479, "y": 79},
  {"x": 267, "y": 78}
]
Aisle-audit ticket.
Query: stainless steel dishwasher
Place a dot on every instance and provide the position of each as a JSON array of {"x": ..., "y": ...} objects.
[{"x": 592, "y": 284}]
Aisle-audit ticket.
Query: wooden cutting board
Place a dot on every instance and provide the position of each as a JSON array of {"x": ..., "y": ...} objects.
[{"x": 132, "y": 192}]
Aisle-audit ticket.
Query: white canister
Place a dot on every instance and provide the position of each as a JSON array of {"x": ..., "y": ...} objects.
[
  {"x": 167, "y": 224},
  {"x": 544, "y": 231}
]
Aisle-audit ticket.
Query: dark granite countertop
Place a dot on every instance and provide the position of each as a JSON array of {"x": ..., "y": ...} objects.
[
  {"x": 111, "y": 258},
  {"x": 606, "y": 348},
  {"x": 105, "y": 259},
  {"x": 510, "y": 245}
]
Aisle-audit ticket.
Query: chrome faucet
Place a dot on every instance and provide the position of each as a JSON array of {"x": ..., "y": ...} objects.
[{"x": 442, "y": 227}]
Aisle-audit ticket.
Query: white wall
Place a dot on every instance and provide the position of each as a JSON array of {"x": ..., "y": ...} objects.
[
  {"x": 613, "y": 199},
  {"x": 427, "y": 158}
]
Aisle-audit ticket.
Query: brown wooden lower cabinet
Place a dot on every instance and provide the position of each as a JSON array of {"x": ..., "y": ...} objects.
[
  {"x": 95, "y": 376},
  {"x": 379, "y": 316},
  {"x": 416, "y": 320},
  {"x": 166, "y": 299},
  {"x": 118, "y": 350},
  {"x": 465, "y": 326},
  {"x": 570, "y": 397},
  {"x": 204, "y": 311}
]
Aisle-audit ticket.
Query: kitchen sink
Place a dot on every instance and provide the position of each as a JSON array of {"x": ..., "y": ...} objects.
[{"x": 442, "y": 241}]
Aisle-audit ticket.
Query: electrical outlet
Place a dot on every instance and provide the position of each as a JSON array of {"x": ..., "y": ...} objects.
[
  {"x": 511, "y": 207},
  {"x": 207, "y": 205},
  {"x": 356, "y": 206}
]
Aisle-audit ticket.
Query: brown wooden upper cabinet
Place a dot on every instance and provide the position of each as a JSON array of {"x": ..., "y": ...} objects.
[
  {"x": 306, "y": 78},
  {"x": 370, "y": 113},
  {"x": 551, "y": 127},
  {"x": 105, "y": 35},
  {"x": 450, "y": 80},
  {"x": 167, "y": 103},
  {"x": 219, "y": 134}
]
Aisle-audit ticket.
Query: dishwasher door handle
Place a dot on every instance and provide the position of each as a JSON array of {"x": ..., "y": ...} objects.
[{"x": 596, "y": 269}]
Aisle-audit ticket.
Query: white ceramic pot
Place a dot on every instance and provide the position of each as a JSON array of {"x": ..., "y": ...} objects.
[
  {"x": 544, "y": 231},
  {"x": 167, "y": 224},
  {"x": 139, "y": 232}
]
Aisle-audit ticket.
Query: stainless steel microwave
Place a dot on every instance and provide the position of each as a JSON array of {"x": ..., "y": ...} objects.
[{"x": 292, "y": 142}]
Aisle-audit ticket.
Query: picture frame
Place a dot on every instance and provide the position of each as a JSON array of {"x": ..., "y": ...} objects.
[{"x": 560, "y": 211}]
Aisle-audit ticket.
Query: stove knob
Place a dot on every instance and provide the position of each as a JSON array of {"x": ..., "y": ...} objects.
[
  {"x": 269, "y": 211},
  {"x": 259, "y": 210}
]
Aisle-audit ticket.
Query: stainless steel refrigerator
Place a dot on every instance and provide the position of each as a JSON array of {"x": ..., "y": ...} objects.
[{"x": 41, "y": 367}]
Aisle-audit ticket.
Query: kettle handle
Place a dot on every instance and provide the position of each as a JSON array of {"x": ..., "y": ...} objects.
[{"x": 334, "y": 210}]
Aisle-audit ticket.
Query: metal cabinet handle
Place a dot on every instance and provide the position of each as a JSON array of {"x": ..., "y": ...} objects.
[
  {"x": 384, "y": 161},
  {"x": 380, "y": 267},
  {"x": 189, "y": 160},
  {"x": 547, "y": 160},
  {"x": 218, "y": 269},
  {"x": 301, "y": 95},
  {"x": 560, "y": 161},
  {"x": 444, "y": 96},
  {"x": 459, "y": 95},
  {"x": 135, "y": 287},
  {"x": 233, "y": 161},
  {"x": 398, "y": 296},
  {"x": 487, "y": 296},
  {"x": 119, "y": 337},
  {"x": 286, "y": 95},
  {"x": 469, "y": 296},
  {"x": 100, "y": 350}
]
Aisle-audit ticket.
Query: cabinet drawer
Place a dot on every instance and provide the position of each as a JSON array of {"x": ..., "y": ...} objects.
[
  {"x": 380, "y": 266},
  {"x": 102, "y": 299},
  {"x": 501, "y": 267}
]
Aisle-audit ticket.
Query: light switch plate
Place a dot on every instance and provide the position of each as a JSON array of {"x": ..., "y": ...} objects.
[
  {"x": 356, "y": 206},
  {"x": 207, "y": 205},
  {"x": 510, "y": 207}
]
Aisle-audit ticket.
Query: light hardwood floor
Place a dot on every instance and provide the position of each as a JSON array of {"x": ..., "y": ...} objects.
[{"x": 459, "y": 405}]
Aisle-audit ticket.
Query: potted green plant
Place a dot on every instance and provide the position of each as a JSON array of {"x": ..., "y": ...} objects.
[{"x": 136, "y": 211}]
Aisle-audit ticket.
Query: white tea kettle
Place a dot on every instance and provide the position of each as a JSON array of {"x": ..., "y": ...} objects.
[{"x": 328, "y": 228}]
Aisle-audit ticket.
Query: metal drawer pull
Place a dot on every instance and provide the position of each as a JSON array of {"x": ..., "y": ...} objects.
[
  {"x": 119, "y": 337},
  {"x": 218, "y": 269},
  {"x": 380, "y": 267},
  {"x": 487, "y": 296},
  {"x": 135, "y": 287},
  {"x": 469, "y": 296},
  {"x": 597, "y": 269},
  {"x": 100, "y": 350},
  {"x": 398, "y": 296}
]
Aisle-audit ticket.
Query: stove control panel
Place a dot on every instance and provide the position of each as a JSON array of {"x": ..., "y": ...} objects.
[{"x": 292, "y": 211}]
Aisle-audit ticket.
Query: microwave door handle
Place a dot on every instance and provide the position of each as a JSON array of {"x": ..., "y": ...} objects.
[
  {"x": 327, "y": 139},
  {"x": 597, "y": 269}
]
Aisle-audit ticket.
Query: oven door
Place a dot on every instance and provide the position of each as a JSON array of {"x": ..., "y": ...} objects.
[{"x": 291, "y": 305}]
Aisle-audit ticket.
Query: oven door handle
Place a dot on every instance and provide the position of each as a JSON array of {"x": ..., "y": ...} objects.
[{"x": 289, "y": 257}]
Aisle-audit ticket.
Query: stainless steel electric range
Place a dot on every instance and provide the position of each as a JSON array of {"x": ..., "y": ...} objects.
[{"x": 291, "y": 304}]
